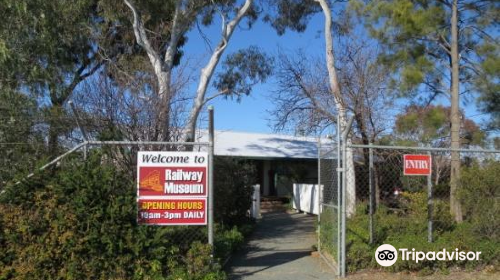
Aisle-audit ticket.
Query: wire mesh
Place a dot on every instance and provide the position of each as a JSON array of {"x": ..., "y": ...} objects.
[
  {"x": 390, "y": 204},
  {"x": 328, "y": 238}
]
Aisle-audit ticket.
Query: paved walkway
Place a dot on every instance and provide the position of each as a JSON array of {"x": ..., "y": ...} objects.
[{"x": 280, "y": 248}]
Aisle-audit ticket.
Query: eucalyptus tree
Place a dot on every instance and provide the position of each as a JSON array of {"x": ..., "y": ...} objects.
[
  {"x": 180, "y": 17},
  {"x": 294, "y": 15},
  {"x": 442, "y": 47}
]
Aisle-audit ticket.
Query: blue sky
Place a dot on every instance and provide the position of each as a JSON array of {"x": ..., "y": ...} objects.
[{"x": 252, "y": 113}]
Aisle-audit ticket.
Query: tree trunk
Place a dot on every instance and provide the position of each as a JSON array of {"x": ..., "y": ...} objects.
[
  {"x": 164, "y": 110},
  {"x": 162, "y": 69},
  {"x": 199, "y": 101},
  {"x": 341, "y": 109},
  {"x": 55, "y": 113},
  {"x": 209, "y": 69},
  {"x": 455, "y": 207},
  {"x": 366, "y": 151},
  {"x": 53, "y": 139}
]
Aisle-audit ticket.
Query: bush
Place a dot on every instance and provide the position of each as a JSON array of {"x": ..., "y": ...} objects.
[
  {"x": 228, "y": 241},
  {"x": 233, "y": 190},
  {"x": 482, "y": 184},
  {"x": 80, "y": 223},
  {"x": 408, "y": 229}
]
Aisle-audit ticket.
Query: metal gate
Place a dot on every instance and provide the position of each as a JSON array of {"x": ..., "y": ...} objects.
[
  {"x": 329, "y": 217},
  {"x": 331, "y": 220},
  {"x": 332, "y": 217}
]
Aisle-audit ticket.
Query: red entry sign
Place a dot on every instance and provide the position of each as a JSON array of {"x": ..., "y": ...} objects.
[{"x": 417, "y": 165}]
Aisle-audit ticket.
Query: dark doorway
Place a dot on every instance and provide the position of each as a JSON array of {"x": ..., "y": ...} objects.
[{"x": 272, "y": 182}]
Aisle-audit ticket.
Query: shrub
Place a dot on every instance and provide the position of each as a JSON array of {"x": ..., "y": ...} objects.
[
  {"x": 408, "y": 229},
  {"x": 227, "y": 241},
  {"x": 80, "y": 223},
  {"x": 198, "y": 260},
  {"x": 233, "y": 190},
  {"x": 482, "y": 184}
]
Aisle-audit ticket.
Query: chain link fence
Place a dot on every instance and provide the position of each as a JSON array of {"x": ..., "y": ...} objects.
[
  {"x": 383, "y": 187},
  {"x": 403, "y": 196},
  {"x": 396, "y": 202},
  {"x": 329, "y": 217}
]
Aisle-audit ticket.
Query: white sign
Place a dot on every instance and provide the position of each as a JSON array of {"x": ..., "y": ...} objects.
[{"x": 172, "y": 188}]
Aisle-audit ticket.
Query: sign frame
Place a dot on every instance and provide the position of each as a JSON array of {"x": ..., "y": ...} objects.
[
  {"x": 161, "y": 161},
  {"x": 422, "y": 172}
]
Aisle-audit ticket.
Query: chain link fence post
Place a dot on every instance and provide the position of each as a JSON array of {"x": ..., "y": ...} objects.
[
  {"x": 329, "y": 227},
  {"x": 339, "y": 200},
  {"x": 320, "y": 195},
  {"x": 211, "y": 178},
  {"x": 345, "y": 134},
  {"x": 372, "y": 192},
  {"x": 429, "y": 203}
]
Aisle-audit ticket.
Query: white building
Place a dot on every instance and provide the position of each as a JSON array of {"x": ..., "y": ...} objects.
[{"x": 281, "y": 160}]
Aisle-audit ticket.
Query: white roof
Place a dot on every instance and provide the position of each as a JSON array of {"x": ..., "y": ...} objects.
[{"x": 259, "y": 145}]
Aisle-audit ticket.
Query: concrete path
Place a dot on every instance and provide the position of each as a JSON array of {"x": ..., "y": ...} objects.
[{"x": 280, "y": 248}]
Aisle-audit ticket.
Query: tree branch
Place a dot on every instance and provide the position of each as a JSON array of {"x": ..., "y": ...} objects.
[
  {"x": 142, "y": 38},
  {"x": 208, "y": 70},
  {"x": 174, "y": 37}
]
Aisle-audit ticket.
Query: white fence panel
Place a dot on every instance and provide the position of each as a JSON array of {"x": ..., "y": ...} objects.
[
  {"x": 306, "y": 198},
  {"x": 255, "y": 211}
]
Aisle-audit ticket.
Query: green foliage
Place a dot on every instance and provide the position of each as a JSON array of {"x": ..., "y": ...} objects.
[
  {"x": 80, "y": 223},
  {"x": 442, "y": 219},
  {"x": 48, "y": 48},
  {"x": 329, "y": 230},
  {"x": 242, "y": 70},
  {"x": 48, "y": 41},
  {"x": 430, "y": 125},
  {"x": 18, "y": 115},
  {"x": 199, "y": 265},
  {"x": 408, "y": 229},
  {"x": 233, "y": 190},
  {"x": 401, "y": 24},
  {"x": 417, "y": 36},
  {"x": 488, "y": 84},
  {"x": 290, "y": 14},
  {"x": 482, "y": 184},
  {"x": 199, "y": 262},
  {"x": 227, "y": 242}
]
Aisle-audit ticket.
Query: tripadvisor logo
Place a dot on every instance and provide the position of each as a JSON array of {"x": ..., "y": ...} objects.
[{"x": 387, "y": 255}]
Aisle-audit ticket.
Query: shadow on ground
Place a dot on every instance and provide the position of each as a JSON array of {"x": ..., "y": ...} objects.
[{"x": 280, "y": 248}]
